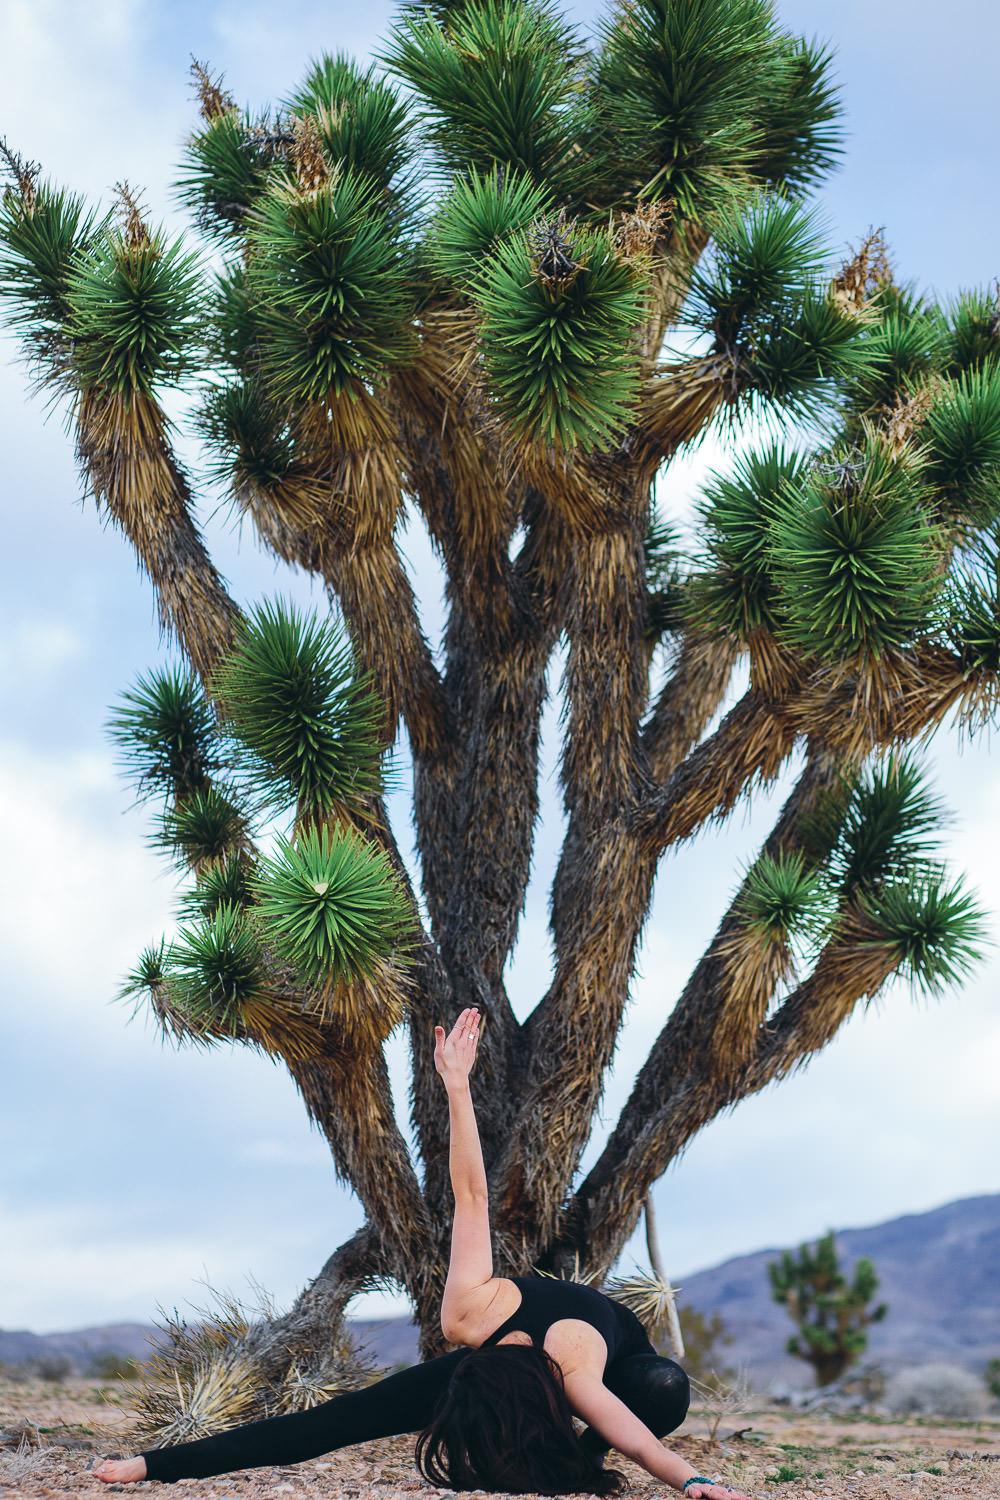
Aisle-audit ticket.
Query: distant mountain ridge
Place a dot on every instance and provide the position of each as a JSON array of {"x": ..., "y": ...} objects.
[{"x": 939, "y": 1272}]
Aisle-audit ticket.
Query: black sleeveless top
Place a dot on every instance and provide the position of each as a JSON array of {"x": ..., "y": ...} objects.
[{"x": 545, "y": 1300}]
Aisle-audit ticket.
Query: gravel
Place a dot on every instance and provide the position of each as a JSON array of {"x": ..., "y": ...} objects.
[{"x": 52, "y": 1437}]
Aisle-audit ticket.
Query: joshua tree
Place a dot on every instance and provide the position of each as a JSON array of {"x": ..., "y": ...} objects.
[
  {"x": 502, "y": 278},
  {"x": 832, "y": 1314}
]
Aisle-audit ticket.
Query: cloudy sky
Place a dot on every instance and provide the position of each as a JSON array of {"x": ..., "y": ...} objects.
[{"x": 130, "y": 1174}]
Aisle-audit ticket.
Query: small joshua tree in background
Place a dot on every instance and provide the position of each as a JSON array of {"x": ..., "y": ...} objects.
[{"x": 832, "y": 1314}]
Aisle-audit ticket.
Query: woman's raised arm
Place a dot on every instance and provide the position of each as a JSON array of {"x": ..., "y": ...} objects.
[
  {"x": 454, "y": 1056},
  {"x": 470, "y": 1268}
]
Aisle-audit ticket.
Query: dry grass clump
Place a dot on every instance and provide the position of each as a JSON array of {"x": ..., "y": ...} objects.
[{"x": 209, "y": 1373}]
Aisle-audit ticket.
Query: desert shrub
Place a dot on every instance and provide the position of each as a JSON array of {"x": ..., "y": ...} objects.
[
  {"x": 705, "y": 1337},
  {"x": 938, "y": 1390},
  {"x": 721, "y": 1399},
  {"x": 992, "y": 1377},
  {"x": 54, "y": 1367},
  {"x": 111, "y": 1366}
]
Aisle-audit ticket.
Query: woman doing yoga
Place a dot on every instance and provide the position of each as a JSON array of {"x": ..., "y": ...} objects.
[{"x": 496, "y": 1414}]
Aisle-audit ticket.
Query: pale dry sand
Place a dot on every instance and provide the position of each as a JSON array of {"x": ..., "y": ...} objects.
[{"x": 780, "y": 1454}]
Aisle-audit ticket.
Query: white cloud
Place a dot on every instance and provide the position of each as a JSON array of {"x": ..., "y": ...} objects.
[
  {"x": 36, "y": 647},
  {"x": 83, "y": 94},
  {"x": 81, "y": 894},
  {"x": 87, "y": 1265}
]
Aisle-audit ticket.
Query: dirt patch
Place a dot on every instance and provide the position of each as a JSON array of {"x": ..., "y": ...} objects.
[{"x": 776, "y": 1453}]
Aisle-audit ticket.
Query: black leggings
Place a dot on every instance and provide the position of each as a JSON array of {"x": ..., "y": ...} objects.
[{"x": 656, "y": 1389}]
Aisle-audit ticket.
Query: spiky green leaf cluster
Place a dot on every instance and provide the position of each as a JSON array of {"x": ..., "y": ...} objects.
[
  {"x": 559, "y": 347},
  {"x": 801, "y": 137},
  {"x": 975, "y": 628},
  {"x": 884, "y": 864},
  {"x": 137, "y": 314},
  {"x": 695, "y": 100},
  {"x": 760, "y": 301},
  {"x": 166, "y": 734},
  {"x": 362, "y": 120},
  {"x": 732, "y": 593},
  {"x": 225, "y": 881},
  {"x": 494, "y": 81},
  {"x": 232, "y": 335},
  {"x": 41, "y": 241},
  {"x": 225, "y": 168},
  {"x": 765, "y": 259},
  {"x": 329, "y": 288},
  {"x": 800, "y": 367},
  {"x": 209, "y": 825},
  {"x": 330, "y": 904},
  {"x": 854, "y": 558},
  {"x": 974, "y": 614},
  {"x": 479, "y": 213},
  {"x": 960, "y": 439},
  {"x": 782, "y": 896},
  {"x": 148, "y": 979},
  {"x": 217, "y": 971},
  {"x": 871, "y": 845},
  {"x": 888, "y": 828},
  {"x": 247, "y": 434},
  {"x": 903, "y": 346},
  {"x": 973, "y": 336},
  {"x": 935, "y": 930},
  {"x": 301, "y": 726},
  {"x": 291, "y": 694}
]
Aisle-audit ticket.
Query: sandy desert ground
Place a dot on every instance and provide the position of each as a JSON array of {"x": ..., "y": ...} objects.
[{"x": 55, "y": 1435}]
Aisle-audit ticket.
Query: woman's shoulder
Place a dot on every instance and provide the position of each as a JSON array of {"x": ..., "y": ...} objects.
[{"x": 485, "y": 1308}]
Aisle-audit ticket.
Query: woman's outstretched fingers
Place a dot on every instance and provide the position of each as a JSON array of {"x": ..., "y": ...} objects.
[{"x": 455, "y": 1053}]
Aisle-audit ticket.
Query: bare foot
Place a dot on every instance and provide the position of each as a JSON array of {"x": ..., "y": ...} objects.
[{"x": 121, "y": 1470}]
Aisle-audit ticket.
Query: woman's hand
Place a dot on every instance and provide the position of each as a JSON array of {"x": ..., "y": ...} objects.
[
  {"x": 455, "y": 1054},
  {"x": 714, "y": 1492}
]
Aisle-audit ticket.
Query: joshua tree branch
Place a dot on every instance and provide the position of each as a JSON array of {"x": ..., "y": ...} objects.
[
  {"x": 300, "y": 520},
  {"x": 604, "y": 889},
  {"x": 701, "y": 673},
  {"x": 318, "y": 1310},
  {"x": 347, "y": 1092},
  {"x": 375, "y": 594},
  {"x": 606, "y": 1208},
  {"x": 686, "y": 1068},
  {"x": 678, "y": 402},
  {"x": 131, "y": 470},
  {"x": 750, "y": 745}
]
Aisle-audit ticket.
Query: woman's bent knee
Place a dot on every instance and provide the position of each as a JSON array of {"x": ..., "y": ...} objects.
[{"x": 655, "y": 1388}]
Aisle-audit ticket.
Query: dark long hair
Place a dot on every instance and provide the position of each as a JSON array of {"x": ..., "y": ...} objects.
[{"x": 504, "y": 1423}]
